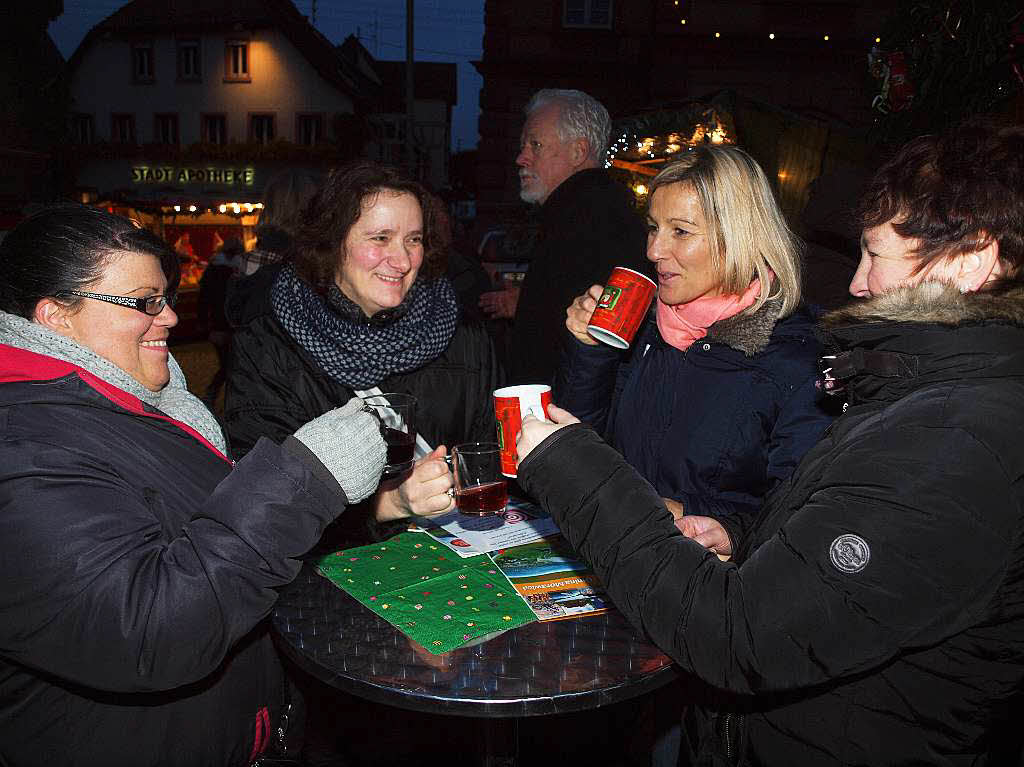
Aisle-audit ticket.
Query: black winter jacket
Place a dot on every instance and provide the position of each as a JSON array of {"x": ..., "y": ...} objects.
[
  {"x": 274, "y": 386},
  {"x": 876, "y": 614},
  {"x": 137, "y": 571},
  {"x": 588, "y": 227},
  {"x": 716, "y": 426}
]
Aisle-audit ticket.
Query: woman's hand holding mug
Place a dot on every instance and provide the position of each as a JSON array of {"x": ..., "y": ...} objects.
[
  {"x": 579, "y": 313},
  {"x": 422, "y": 493}
]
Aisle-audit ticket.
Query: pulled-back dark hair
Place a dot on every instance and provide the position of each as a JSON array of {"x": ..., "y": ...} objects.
[
  {"x": 66, "y": 247},
  {"x": 335, "y": 208},
  {"x": 955, "y": 193}
]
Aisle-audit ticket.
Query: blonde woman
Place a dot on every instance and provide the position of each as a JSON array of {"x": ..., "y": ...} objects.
[{"x": 715, "y": 402}]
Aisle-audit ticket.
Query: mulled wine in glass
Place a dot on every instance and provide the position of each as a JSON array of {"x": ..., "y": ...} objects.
[{"x": 397, "y": 415}]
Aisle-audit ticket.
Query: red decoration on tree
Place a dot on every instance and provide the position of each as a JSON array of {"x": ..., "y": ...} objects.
[{"x": 901, "y": 89}]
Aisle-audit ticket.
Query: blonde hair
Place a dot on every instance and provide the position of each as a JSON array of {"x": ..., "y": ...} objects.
[{"x": 746, "y": 232}]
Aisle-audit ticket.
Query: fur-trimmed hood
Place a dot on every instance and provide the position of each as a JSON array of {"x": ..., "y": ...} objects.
[
  {"x": 883, "y": 348},
  {"x": 748, "y": 332},
  {"x": 933, "y": 302}
]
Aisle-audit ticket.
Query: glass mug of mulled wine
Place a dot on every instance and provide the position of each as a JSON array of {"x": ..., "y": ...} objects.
[
  {"x": 480, "y": 488},
  {"x": 396, "y": 413}
]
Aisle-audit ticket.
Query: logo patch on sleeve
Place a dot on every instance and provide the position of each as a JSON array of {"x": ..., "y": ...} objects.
[{"x": 849, "y": 553}]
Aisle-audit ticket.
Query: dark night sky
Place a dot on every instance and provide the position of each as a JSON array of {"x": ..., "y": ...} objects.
[{"x": 445, "y": 30}]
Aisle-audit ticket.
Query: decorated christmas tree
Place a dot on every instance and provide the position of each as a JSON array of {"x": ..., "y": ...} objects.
[{"x": 939, "y": 62}]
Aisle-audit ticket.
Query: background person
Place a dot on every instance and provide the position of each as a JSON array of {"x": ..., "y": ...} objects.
[
  {"x": 213, "y": 321},
  {"x": 587, "y": 227},
  {"x": 138, "y": 565},
  {"x": 284, "y": 197},
  {"x": 875, "y": 614}
]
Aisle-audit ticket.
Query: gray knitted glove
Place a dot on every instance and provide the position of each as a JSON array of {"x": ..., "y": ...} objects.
[{"x": 348, "y": 443}]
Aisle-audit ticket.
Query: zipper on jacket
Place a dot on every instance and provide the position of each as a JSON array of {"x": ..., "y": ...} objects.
[{"x": 726, "y": 721}]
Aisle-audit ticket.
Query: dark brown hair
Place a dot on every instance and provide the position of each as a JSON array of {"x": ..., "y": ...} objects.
[
  {"x": 335, "y": 208},
  {"x": 67, "y": 247},
  {"x": 954, "y": 193}
]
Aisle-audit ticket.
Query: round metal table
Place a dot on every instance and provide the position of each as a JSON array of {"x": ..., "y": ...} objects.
[{"x": 541, "y": 668}]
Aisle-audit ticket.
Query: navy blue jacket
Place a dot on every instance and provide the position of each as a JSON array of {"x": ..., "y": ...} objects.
[{"x": 715, "y": 427}]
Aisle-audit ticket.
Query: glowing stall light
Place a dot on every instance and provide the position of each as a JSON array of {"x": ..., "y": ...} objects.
[
  {"x": 177, "y": 209},
  {"x": 222, "y": 208},
  {"x": 192, "y": 208}
]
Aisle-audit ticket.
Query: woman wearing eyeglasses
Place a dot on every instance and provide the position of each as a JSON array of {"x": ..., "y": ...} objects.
[{"x": 138, "y": 564}]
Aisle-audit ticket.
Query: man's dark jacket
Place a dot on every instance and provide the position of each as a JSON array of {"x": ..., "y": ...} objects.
[
  {"x": 875, "y": 616},
  {"x": 274, "y": 386},
  {"x": 588, "y": 226},
  {"x": 138, "y": 568}
]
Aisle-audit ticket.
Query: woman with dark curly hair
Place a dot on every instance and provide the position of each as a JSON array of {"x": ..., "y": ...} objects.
[{"x": 361, "y": 304}]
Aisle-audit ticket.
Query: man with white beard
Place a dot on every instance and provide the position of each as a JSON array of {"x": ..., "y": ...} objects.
[{"x": 587, "y": 226}]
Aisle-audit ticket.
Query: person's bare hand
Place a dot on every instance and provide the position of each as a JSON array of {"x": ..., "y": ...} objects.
[
  {"x": 423, "y": 493},
  {"x": 708, "y": 532},
  {"x": 675, "y": 507},
  {"x": 534, "y": 431},
  {"x": 500, "y": 304},
  {"x": 578, "y": 315}
]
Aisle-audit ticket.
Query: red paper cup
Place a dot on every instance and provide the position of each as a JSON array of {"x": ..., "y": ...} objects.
[
  {"x": 626, "y": 298},
  {"x": 510, "y": 405}
]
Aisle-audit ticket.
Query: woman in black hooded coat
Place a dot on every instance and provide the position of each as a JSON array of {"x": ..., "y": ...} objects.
[{"x": 875, "y": 613}]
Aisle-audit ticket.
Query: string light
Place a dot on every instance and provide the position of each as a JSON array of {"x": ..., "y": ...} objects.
[
  {"x": 771, "y": 35},
  {"x": 177, "y": 209},
  {"x": 718, "y": 34},
  {"x": 878, "y": 39},
  {"x": 191, "y": 208},
  {"x": 826, "y": 38},
  {"x": 682, "y": 21}
]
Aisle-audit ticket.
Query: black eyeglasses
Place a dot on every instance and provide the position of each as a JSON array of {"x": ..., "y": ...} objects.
[{"x": 151, "y": 305}]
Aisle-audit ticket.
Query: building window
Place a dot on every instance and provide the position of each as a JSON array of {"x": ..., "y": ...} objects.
[
  {"x": 236, "y": 60},
  {"x": 165, "y": 129},
  {"x": 261, "y": 128},
  {"x": 309, "y": 129},
  {"x": 214, "y": 129},
  {"x": 82, "y": 129},
  {"x": 122, "y": 129},
  {"x": 188, "y": 60},
  {"x": 142, "y": 62},
  {"x": 588, "y": 13}
]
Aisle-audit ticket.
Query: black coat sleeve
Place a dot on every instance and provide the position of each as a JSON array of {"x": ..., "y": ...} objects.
[
  {"x": 94, "y": 592},
  {"x": 788, "y": 618}
]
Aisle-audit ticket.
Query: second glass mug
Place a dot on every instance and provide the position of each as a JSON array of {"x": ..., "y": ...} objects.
[
  {"x": 480, "y": 488},
  {"x": 396, "y": 413}
]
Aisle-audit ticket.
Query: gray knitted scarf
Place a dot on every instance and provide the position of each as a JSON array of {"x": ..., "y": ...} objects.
[
  {"x": 173, "y": 400},
  {"x": 357, "y": 351}
]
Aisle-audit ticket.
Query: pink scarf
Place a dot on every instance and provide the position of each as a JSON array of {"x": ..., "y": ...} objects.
[{"x": 681, "y": 325}]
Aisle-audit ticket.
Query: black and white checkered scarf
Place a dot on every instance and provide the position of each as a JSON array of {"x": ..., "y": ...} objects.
[{"x": 358, "y": 351}]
